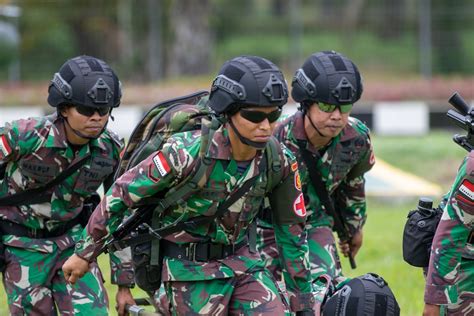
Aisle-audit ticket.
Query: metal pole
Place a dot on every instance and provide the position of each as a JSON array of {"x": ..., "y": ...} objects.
[{"x": 425, "y": 38}]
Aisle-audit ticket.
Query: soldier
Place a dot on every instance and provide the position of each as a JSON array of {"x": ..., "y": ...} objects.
[
  {"x": 449, "y": 282},
  {"x": 326, "y": 86},
  {"x": 210, "y": 269},
  {"x": 40, "y": 231}
]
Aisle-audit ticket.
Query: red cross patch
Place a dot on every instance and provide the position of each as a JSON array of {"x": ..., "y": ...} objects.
[{"x": 298, "y": 206}]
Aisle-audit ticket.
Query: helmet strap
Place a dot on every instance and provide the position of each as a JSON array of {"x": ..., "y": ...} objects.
[
  {"x": 313, "y": 125},
  {"x": 82, "y": 135},
  {"x": 246, "y": 141}
]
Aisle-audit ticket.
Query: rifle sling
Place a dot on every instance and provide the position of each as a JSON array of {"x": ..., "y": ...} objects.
[
  {"x": 320, "y": 187},
  {"x": 35, "y": 196},
  {"x": 193, "y": 222}
]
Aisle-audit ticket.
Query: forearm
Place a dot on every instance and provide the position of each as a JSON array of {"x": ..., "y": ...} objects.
[{"x": 293, "y": 247}]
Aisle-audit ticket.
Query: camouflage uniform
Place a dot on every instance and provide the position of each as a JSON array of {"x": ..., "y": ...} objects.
[
  {"x": 34, "y": 151},
  {"x": 219, "y": 286},
  {"x": 342, "y": 166},
  {"x": 450, "y": 279}
]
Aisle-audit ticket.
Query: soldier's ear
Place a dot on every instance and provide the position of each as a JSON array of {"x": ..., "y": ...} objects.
[{"x": 63, "y": 110}]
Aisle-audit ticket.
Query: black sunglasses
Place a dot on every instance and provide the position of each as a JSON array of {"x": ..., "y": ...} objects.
[
  {"x": 89, "y": 111},
  {"x": 259, "y": 116}
]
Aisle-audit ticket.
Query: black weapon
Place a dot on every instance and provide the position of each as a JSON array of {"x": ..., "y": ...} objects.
[
  {"x": 462, "y": 117},
  {"x": 140, "y": 216},
  {"x": 342, "y": 231}
]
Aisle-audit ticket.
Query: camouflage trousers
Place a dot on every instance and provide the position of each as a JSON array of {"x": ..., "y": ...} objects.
[
  {"x": 323, "y": 257},
  {"x": 463, "y": 291},
  {"x": 252, "y": 293},
  {"x": 35, "y": 284}
]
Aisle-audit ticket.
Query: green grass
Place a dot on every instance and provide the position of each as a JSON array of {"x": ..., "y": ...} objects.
[{"x": 434, "y": 157}]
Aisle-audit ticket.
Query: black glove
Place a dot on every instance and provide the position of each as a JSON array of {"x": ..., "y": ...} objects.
[{"x": 305, "y": 313}]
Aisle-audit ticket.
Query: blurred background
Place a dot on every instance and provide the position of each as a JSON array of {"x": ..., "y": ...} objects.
[{"x": 413, "y": 54}]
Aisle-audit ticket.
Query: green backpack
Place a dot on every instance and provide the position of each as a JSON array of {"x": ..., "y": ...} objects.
[{"x": 181, "y": 114}]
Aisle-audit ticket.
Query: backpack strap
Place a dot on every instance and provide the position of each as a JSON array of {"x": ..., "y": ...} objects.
[{"x": 274, "y": 173}]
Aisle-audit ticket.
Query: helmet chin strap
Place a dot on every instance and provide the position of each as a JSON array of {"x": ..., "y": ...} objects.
[
  {"x": 305, "y": 113},
  {"x": 246, "y": 141},
  {"x": 81, "y": 134}
]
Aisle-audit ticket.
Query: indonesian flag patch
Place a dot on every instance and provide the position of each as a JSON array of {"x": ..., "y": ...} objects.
[
  {"x": 161, "y": 164},
  {"x": 467, "y": 189},
  {"x": 4, "y": 146},
  {"x": 298, "y": 206}
]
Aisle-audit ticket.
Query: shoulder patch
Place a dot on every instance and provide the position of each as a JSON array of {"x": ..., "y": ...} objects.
[
  {"x": 299, "y": 207},
  {"x": 4, "y": 146},
  {"x": 467, "y": 190},
  {"x": 161, "y": 164}
]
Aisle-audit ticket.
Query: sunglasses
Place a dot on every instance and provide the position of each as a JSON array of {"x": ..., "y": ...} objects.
[
  {"x": 89, "y": 111},
  {"x": 259, "y": 116},
  {"x": 329, "y": 108}
]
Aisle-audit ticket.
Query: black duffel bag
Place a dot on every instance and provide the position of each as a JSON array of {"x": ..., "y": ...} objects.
[{"x": 419, "y": 232}]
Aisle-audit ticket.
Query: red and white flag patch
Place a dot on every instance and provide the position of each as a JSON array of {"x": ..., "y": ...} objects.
[
  {"x": 4, "y": 146},
  {"x": 161, "y": 164},
  {"x": 299, "y": 207},
  {"x": 467, "y": 189}
]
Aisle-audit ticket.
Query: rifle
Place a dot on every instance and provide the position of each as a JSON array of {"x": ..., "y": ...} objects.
[
  {"x": 126, "y": 227},
  {"x": 462, "y": 117}
]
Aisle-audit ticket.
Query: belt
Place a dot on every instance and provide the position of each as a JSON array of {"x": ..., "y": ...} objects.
[
  {"x": 10, "y": 228},
  {"x": 201, "y": 251}
]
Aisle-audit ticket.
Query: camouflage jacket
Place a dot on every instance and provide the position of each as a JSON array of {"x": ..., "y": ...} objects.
[
  {"x": 165, "y": 168},
  {"x": 342, "y": 166},
  {"x": 33, "y": 151},
  {"x": 450, "y": 245}
]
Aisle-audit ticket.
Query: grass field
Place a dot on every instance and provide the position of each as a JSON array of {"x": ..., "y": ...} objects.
[{"x": 434, "y": 157}]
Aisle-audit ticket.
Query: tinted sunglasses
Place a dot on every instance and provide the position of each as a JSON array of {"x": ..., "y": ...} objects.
[
  {"x": 259, "y": 116},
  {"x": 329, "y": 108},
  {"x": 89, "y": 111}
]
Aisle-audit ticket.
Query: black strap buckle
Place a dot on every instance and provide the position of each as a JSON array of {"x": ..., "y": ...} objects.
[{"x": 191, "y": 251}]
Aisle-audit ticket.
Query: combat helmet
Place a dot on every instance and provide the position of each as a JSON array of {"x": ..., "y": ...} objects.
[
  {"x": 327, "y": 77},
  {"x": 86, "y": 81},
  {"x": 247, "y": 81},
  {"x": 367, "y": 295}
]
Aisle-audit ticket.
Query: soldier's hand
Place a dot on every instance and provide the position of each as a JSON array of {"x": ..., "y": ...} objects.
[
  {"x": 74, "y": 268},
  {"x": 431, "y": 310},
  {"x": 123, "y": 297},
  {"x": 353, "y": 246}
]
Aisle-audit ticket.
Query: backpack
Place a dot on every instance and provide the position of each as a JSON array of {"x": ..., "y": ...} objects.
[{"x": 163, "y": 120}]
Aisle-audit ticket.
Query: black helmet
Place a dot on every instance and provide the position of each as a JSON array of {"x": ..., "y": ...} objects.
[
  {"x": 247, "y": 80},
  {"x": 367, "y": 295},
  {"x": 327, "y": 77},
  {"x": 87, "y": 81}
]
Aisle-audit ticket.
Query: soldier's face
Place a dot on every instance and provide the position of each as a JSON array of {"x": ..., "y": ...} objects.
[
  {"x": 90, "y": 126},
  {"x": 329, "y": 124},
  {"x": 256, "y": 123}
]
